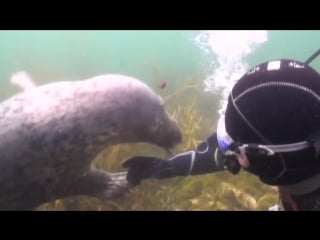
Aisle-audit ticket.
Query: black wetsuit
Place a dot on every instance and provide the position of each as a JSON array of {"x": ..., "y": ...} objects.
[{"x": 206, "y": 158}]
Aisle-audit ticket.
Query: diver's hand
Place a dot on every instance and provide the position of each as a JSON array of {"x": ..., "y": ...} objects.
[{"x": 141, "y": 167}]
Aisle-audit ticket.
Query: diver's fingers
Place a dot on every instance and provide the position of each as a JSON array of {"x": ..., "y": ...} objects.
[{"x": 140, "y": 161}]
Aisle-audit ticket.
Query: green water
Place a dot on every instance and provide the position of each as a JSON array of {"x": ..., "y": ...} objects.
[
  {"x": 69, "y": 55},
  {"x": 59, "y": 55},
  {"x": 154, "y": 57},
  {"x": 298, "y": 45}
]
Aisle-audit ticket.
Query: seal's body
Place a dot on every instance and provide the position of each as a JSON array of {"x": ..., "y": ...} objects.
[{"x": 50, "y": 134}]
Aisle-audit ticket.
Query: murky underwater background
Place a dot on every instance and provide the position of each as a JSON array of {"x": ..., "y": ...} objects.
[{"x": 197, "y": 72}]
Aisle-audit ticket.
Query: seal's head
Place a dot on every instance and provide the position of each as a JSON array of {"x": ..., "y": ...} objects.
[
  {"x": 129, "y": 109},
  {"x": 163, "y": 130},
  {"x": 147, "y": 118}
]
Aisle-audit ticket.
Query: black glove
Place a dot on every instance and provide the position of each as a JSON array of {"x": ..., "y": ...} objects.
[{"x": 141, "y": 167}]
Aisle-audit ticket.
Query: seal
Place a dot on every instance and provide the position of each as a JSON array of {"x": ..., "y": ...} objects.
[{"x": 50, "y": 134}]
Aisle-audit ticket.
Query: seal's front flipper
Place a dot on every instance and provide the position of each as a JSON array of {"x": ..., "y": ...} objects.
[
  {"x": 117, "y": 186},
  {"x": 22, "y": 80},
  {"x": 101, "y": 184}
]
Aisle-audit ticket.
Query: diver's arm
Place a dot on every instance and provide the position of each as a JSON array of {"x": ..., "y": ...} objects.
[{"x": 206, "y": 158}]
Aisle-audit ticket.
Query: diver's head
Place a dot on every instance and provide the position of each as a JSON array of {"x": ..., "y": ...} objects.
[{"x": 272, "y": 122}]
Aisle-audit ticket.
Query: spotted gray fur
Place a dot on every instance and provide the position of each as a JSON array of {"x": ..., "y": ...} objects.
[{"x": 50, "y": 134}]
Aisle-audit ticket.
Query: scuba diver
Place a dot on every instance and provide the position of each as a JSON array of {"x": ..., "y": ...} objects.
[{"x": 271, "y": 128}]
